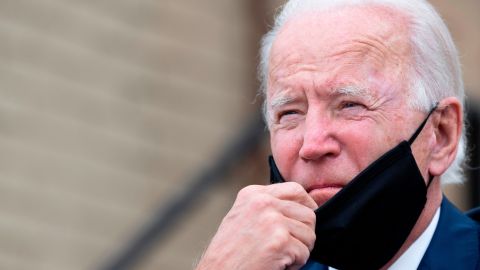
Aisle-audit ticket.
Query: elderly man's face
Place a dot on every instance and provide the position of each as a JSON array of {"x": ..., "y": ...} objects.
[{"x": 337, "y": 96}]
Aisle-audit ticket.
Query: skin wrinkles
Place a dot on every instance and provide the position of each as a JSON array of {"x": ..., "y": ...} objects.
[
  {"x": 380, "y": 42},
  {"x": 313, "y": 76},
  {"x": 364, "y": 47},
  {"x": 337, "y": 86},
  {"x": 284, "y": 68},
  {"x": 305, "y": 81},
  {"x": 371, "y": 47},
  {"x": 324, "y": 146},
  {"x": 353, "y": 54},
  {"x": 282, "y": 101}
]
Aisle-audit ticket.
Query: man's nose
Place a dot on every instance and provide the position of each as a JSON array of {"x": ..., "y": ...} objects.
[{"x": 319, "y": 140}]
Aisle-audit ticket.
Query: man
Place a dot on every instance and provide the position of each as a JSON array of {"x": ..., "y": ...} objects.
[{"x": 347, "y": 83}]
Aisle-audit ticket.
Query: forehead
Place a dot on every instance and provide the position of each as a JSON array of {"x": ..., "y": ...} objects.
[{"x": 370, "y": 41}]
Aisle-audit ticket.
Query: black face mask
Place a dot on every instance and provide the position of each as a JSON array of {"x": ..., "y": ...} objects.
[{"x": 365, "y": 224}]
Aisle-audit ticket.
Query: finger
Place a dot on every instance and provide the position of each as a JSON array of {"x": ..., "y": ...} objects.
[
  {"x": 302, "y": 232},
  {"x": 291, "y": 191},
  {"x": 296, "y": 219},
  {"x": 298, "y": 254},
  {"x": 296, "y": 211}
]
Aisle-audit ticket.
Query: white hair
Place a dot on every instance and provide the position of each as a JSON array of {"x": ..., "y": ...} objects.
[{"x": 436, "y": 72}]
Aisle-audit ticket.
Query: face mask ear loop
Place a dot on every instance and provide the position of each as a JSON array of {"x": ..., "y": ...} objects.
[
  {"x": 420, "y": 128},
  {"x": 275, "y": 176},
  {"x": 430, "y": 180}
]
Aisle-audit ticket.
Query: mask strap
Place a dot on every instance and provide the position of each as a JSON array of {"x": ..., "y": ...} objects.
[
  {"x": 420, "y": 128},
  {"x": 275, "y": 176},
  {"x": 430, "y": 180}
]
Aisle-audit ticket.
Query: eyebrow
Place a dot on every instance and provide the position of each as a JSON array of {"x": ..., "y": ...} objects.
[
  {"x": 280, "y": 101},
  {"x": 350, "y": 90},
  {"x": 353, "y": 91},
  {"x": 283, "y": 99},
  {"x": 276, "y": 102}
]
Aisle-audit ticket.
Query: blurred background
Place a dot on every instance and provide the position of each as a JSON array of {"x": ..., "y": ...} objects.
[{"x": 128, "y": 126}]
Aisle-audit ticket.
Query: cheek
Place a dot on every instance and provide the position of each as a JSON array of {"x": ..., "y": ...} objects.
[
  {"x": 358, "y": 147},
  {"x": 363, "y": 144},
  {"x": 285, "y": 148}
]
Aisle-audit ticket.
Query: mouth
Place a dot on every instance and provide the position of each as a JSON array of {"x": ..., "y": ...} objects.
[{"x": 322, "y": 193}]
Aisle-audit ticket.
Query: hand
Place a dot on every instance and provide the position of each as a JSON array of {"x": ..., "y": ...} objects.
[{"x": 268, "y": 227}]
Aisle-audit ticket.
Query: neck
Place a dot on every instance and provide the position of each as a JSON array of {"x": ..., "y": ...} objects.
[{"x": 434, "y": 199}]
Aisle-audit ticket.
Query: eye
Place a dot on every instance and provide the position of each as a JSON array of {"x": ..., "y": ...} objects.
[
  {"x": 285, "y": 113},
  {"x": 350, "y": 104}
]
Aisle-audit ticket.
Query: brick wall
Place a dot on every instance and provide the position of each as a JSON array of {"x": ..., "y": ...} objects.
[{"x": 107, "y": 109}]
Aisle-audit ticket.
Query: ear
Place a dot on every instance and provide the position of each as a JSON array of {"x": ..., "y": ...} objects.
[{"x": 447, "y": 121}]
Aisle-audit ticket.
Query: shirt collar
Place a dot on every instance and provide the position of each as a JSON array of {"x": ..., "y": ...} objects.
[{"x": 411, "y": 258}]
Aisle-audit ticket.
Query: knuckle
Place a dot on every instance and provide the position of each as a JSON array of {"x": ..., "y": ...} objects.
[
  {"x": 271, "y": 218},
  {"x": 280, "y": 239},
  {"x": 311, "y": 219},
  {"x": 287, "y": 262},
  {"x": 260, "y": 202},
  {"x": 303, "y": 255},
  {"x": 311, "y": 241},
  {"x": 248, "y": 191},
  {"x": 299, "y": 255},
  {"x": 296, "y": 189}
]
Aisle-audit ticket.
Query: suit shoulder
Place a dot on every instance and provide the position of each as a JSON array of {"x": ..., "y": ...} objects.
[{"x": 474, "y": 214}]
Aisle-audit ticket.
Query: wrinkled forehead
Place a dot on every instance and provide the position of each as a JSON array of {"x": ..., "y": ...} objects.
[
  {"x": 340, "y": 25},
  {"x": 343, "y": 36}
]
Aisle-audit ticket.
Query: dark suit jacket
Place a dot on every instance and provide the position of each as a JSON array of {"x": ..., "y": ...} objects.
[{"x": 455, "y": 243}]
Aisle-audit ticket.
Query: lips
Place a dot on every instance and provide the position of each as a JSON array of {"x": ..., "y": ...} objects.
[
  {"x": 324, "y": 186},
  {"x": 322, "y": 193}
]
